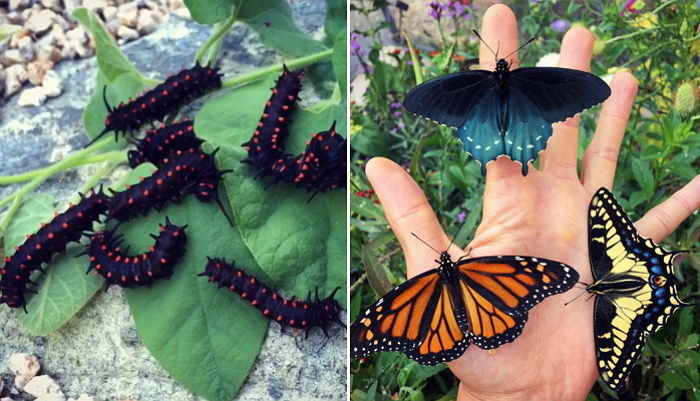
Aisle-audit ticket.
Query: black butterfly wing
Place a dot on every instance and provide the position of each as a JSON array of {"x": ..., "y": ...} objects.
[
  {"x": 418, "y": 318},
  {"x": 540, "y": 96},
  {"x": 481, "y": 134},
  {"x": 558, "y": 93},
  {"x": 449, "y": 99}
]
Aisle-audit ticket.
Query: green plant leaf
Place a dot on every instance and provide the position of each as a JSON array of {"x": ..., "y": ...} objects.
[
  {"x": 65, "y": 288},
  {"x": 272, "y": 20},
  {"x": 209, "y": 11},
  {"x": 643, "y": 175},
  {"x": 190, "y": 326},
  {"x": 340, "y": 63},
  {"x": 299, "y": 244},
  {"x": 675, "y": 380},
  {"x": 110, "y": 59},
  {"x": 336, "y": 18}
]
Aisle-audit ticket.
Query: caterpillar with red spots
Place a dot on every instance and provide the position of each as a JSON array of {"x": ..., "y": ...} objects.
[
  {"x": 161, "y": 142},
  {"x": 321, "y": 167},
  {"x": 157, "y": 103},
  {"x": 119, "y": 268},
  {"x": 287, "y": 312},
  {"x": 267, "y": 143},
  {"x": 191, "y": 171},
  {"x": 39, "y": 248}
]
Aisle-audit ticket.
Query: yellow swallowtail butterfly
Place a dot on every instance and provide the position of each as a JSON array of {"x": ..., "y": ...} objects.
[{"x": 633, "y": 280}]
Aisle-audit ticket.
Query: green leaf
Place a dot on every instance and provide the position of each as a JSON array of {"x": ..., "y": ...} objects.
[
  {"x": 110, "y": 59},
  {"x": 189, "y": 325},
  {"x": 300, "y": 244},
  {"x": 209, "y": 11},
  {"x": 643, "y": 175},
  {"x": 675, "y": 380},
  {"x": 336, "y": 18},
  {"x": 340, "y": 63},
  {"x": 65, "y": 288},
  {"x": 272, "y": 20}
]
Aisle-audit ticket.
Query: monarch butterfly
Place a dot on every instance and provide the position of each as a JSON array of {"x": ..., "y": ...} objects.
[
  {"x": 434, "y": 316},
  {"x": 505, "y": 112},
  {"x": 633, "y": 280}
]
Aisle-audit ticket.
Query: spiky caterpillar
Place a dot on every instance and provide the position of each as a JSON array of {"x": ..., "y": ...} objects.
[
  {"x": 161, "y": 142},
  {"x": 186, "y": 172},
  {"x": 128, "y": 271},
  {"x": 267, "y": 142},
  {"x": 287, "y": 312},
  {"x": 164, "y": 99},
  {"x": 52, "y": 238},
  {"x": 321, "y": 167}
]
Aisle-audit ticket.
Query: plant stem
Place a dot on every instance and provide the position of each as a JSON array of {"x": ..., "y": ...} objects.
[
  {"x": 29, "y": 175},
  {"x": 263, "y": 72},
  {"x": 220, "y": 30},
  {"x": 45, "y": 174}
]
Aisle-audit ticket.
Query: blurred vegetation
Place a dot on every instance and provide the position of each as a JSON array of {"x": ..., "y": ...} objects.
[{"x": 657, "y": 41}]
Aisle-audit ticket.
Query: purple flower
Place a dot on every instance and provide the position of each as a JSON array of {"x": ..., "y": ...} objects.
[
  {"x": 435, "y": 10},
  {"x": 560, "y": 25},
  {"x": 401, "y": 124},
  {"x": 461, "y": 217},
  {"x": 397, "y": 113},
  {"x": 395, "y": 105},
  {"x": 393, "y": 130},
  {"x": 353, "y": 41}
]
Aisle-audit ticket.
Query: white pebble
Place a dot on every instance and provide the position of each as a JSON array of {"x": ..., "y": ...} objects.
[
  {"x": 147, "y": 22},
  {"x": 127, "y": 33},
  {"x": 83, "y": 397},
  {"x": 24, "y": 367},
  {"x": 44, "y": 388},
  {"x": 16, "y": 76},
  {"x": 32, "y": 97},
  {"x": 94, "y": 4},
  {"x": 52, "y": 84},
  {"x": 41, "y": 21}
]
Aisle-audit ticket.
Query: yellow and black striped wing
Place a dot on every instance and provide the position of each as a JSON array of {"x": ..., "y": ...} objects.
[
  {"x": 418, "y": 318},
  {"x": 633, "y": 281}
]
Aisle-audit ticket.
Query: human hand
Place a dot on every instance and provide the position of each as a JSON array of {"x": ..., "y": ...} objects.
[{"x": 543, "y": 215}]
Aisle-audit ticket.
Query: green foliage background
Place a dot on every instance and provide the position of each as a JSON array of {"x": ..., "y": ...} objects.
[{"x": 658, "y": 42}]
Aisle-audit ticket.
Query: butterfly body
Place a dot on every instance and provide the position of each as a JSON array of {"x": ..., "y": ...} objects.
[
  {"x": 506, "y": 112},
  {"x": 633, "y": 284},
  {"x": 433, "y": 317}
]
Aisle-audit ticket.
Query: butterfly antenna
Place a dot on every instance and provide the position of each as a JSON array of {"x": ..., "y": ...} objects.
[
  {"x": 523, "y": 45},
  {"x": 426, "y": 244},
  {"x": 495, "y": 54},
  {"x": 578, "y": 296}
]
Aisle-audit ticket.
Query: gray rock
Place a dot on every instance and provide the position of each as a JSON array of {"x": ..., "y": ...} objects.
[{"x": 26, "y": 48}]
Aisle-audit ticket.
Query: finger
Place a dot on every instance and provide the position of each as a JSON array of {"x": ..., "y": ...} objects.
[
  {"x": 600, "y": 159},
  {"x": 499, "y": 31},
  {"x": 660, "y": 221},
  {"x": 562, "y": 151},
  {"x": 407, "y": 211}
]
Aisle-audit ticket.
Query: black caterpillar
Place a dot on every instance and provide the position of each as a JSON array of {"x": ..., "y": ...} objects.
[
  {"x": 267, "y": 142},
  {"x": 161, "y": 142},
  {"x": 191, "y": 171},
  {"x": 164, "y": 99},
  {"x": 322, "y": 166},
  {"x": 120, "y": 268},
  {"x": 287, "y": 312},
  {"x": 51, "y": 238}
]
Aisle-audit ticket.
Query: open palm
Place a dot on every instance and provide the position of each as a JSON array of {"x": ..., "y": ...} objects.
[{"x": 541, "y": 215}]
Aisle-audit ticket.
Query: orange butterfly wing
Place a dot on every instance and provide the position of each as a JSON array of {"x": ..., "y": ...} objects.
[
  {"x": 419, "y": 318},
  {"x": 498, "y": 291}
]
